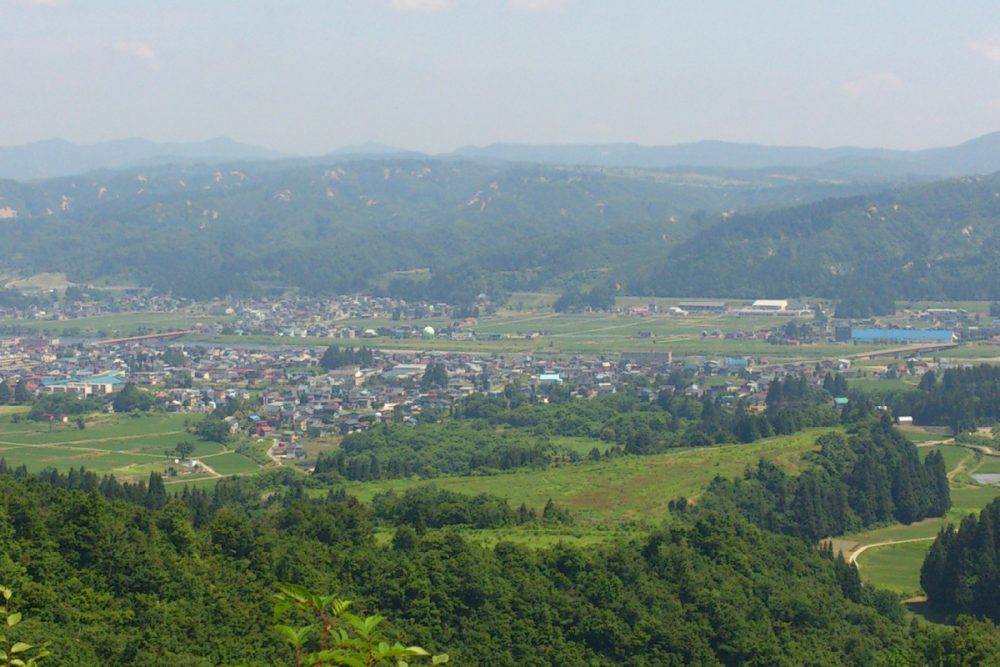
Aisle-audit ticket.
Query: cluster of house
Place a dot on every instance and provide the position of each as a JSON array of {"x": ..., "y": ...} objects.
[
  {"x": 46, "y": 305},
  {"x": 325, "y": 318},
  {"x": 286, "y": 397},
  {"x": 283, "y": 392},
  {"x": 290, "y": 316}
]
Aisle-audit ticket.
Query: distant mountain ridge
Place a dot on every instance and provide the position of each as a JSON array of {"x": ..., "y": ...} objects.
[
  {"x": 976, "y": 156},
  {"x": 57, "y": 157}
]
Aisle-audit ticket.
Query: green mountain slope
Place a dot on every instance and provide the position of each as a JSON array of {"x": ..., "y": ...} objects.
[{"x": 939, "y": 240}]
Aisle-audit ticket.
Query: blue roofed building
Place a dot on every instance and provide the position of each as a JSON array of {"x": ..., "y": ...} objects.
[{"x": 902, "y": 335}]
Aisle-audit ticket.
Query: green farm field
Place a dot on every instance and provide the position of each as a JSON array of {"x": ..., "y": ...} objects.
[
  {"x": 895, "y": 567},
  {"x": 118, "y": 324},
  {"x": 537, "y": 331},
  {"x": 953, "y": 455},
  {"x": 917, "y": 436},
  {"x": 605, "y": 344},
  {"x": 988, "y": 465},
  {"x": 128, "y": 447},
  {"x": 580, "y": 445},
  {"x": 619, "y": 492},
  {"x": 230, "y": 463},
  {"x": 876, "y": 385}
]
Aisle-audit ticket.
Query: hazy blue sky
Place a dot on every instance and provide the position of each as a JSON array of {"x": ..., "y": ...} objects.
[{"x": 307, "y": 76}]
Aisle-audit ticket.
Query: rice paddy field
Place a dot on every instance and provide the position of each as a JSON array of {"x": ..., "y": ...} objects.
[
  {"x": 530, "y": 326},
  {"x": 118, "y": 324},
  {"x": 125, "y": 446},
  {"x": 597, "y": 333}
]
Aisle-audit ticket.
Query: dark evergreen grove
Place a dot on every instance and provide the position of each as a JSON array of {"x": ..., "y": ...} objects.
[
  {"x": 961, "y": 574},
  {"x": 871, "y": 476}
]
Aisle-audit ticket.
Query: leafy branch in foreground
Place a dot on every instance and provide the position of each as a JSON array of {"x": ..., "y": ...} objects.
[
  {"x": 15, "y": 653},
  {"x": 345, "y": 639}
]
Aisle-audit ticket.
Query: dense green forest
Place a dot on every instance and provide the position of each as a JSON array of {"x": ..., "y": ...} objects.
[
  {"x": 335, "y": 357},
  {"x": 127, "y": 575},
  {"x": 962, "y": 398},
  {"x": 430, "y": 507},
  {"x": 430, "y": 450}
]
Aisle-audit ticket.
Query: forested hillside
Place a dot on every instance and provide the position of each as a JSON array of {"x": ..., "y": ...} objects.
[
  {"x": 935, "y": 241},
  {"x": 873, "y": 476},
  {"x": 337, "y": 226},
  {"x": 129, "y": 576},
  {"x": 327, "y": 227}
]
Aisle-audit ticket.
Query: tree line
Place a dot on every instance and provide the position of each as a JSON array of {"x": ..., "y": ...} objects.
[
  {"x": 430, "y": 507},
  {"x": 961, "y": 573},
  {"x": 962, "y": 398}
]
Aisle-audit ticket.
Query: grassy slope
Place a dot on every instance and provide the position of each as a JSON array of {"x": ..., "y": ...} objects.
[{"x": 618, "y": 491}]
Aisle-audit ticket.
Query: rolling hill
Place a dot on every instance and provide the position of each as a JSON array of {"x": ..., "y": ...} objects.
[
  {"x": 338, "y": 225},
  {"x": 932, "y": 241}
]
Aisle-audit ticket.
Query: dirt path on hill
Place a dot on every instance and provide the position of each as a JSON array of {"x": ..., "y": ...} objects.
[
  {"x": 963, "y": 466},
  {"x": 949, "y": 442}
]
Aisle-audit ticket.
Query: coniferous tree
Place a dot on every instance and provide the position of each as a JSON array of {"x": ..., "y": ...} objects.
[{"x": 21, "y": 395}]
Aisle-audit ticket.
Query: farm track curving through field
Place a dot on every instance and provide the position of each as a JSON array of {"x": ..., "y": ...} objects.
[{"x": 852, "y": 557}]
